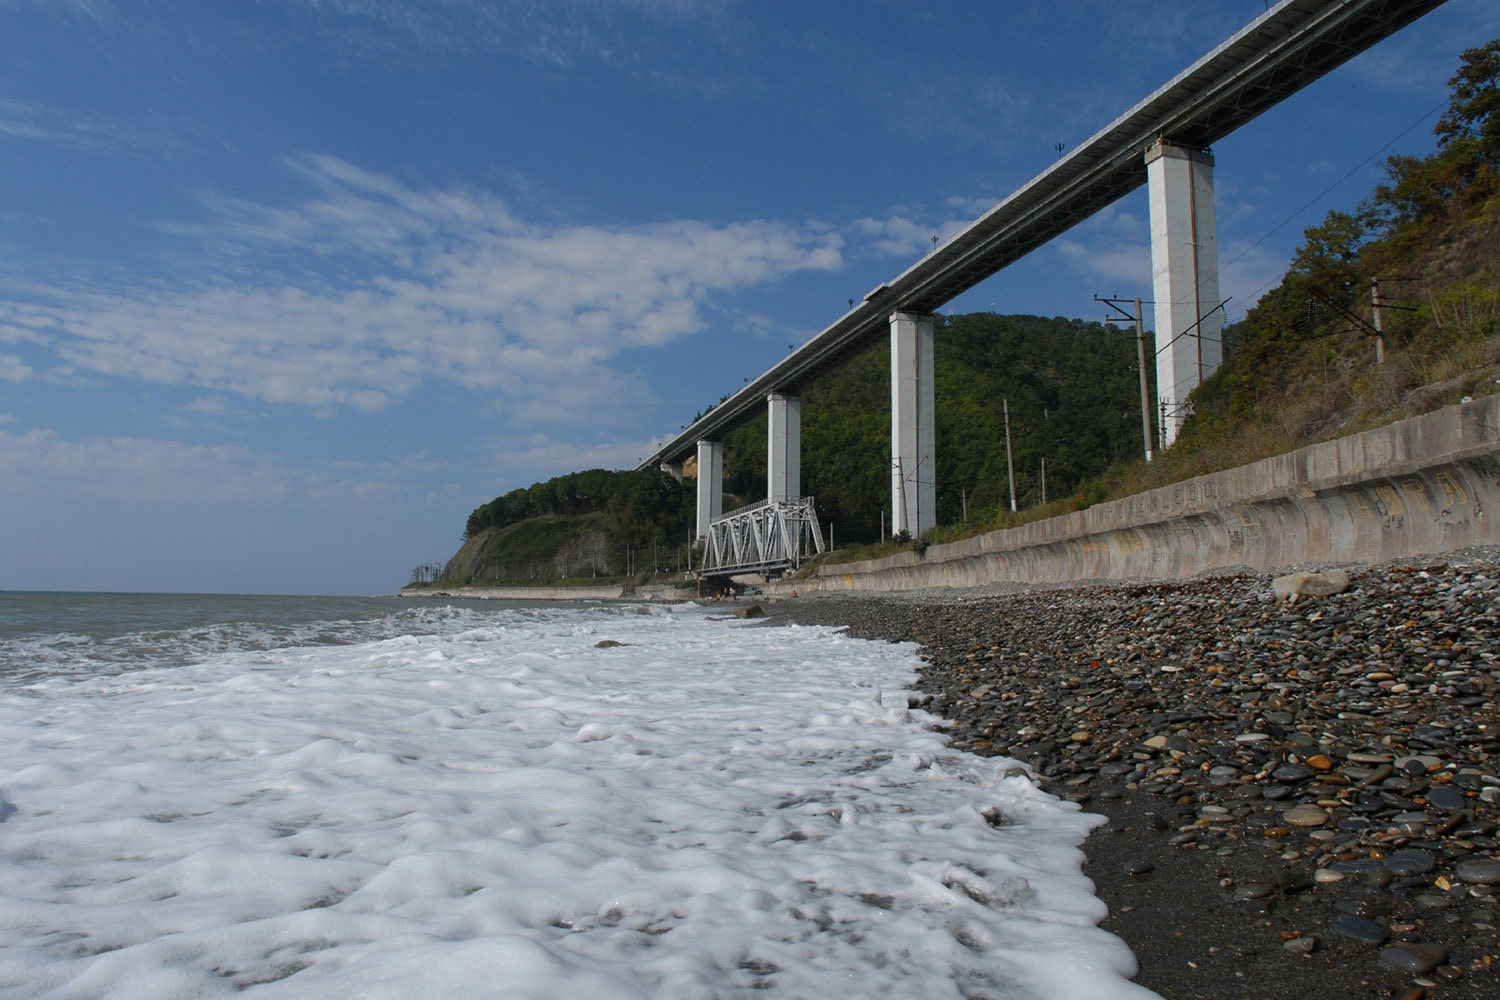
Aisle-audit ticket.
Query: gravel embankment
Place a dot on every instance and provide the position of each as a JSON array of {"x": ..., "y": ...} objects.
[{"x": 1301, "y": 799}]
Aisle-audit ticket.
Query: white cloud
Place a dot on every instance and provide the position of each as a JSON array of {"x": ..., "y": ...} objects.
[
  {"x": 1127, "y": 265},
  {"x": 898, "y": 235},
  {"x": 1113, "y": 245},
  {"x": 458, "y": 289},
  {"x": 1246, "y": 273},
  {"x": 82, "y": 132},
  {"x": 39, "y": 464},
  {"x": 1425, "y": 55},
  {"x": 12, "y": 334},
  {"x": 970, "y": 206},
  {"x": 101, "y": 12},
  {"x": 13, "y": 369},
  {"x": 539, "y": 456},
  {"x": 207, "y": 405},
  {"x": 545, "y": 31}
]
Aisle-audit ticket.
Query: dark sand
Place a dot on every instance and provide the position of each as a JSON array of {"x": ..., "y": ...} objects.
[{"x": 1409, "y": 646}]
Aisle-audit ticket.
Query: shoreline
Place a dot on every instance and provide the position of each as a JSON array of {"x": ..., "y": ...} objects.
[
  {"x": 1298, "y": 798},
  {"x": 655, "y": 593}
]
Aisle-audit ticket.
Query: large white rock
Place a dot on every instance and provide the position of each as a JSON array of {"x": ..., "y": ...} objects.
[{"x": 1297, "y": 585}]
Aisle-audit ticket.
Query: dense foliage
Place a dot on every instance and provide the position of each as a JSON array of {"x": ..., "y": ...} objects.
[
  {"x": 630, "y": 498},
  {"x": 1074, "y": 395},
  {"x": 634, "y": 510}
]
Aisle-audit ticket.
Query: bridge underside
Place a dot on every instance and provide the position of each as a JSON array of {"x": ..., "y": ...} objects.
[{"x": 1273, "y": 57}]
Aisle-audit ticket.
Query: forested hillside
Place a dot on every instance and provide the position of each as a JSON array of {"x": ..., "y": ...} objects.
[
  {"x": 585, "y": 524},
  {"x": 1074, "y": 399}
]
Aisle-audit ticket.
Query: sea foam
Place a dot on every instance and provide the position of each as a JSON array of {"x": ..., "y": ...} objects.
[{"x": 503, "y": 809}]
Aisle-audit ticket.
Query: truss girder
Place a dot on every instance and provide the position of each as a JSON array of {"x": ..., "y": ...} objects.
[{"x": 765, "y": 537}]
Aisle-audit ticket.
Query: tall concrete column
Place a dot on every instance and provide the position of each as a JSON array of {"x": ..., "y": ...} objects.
[
  {"x": 673, "y": 469},
  {"x": 784, "y": 447},
  {"x": 913, "y": 478},
  {"x": 710, "y": 484},
  {"x": 1185, "y": 272}
]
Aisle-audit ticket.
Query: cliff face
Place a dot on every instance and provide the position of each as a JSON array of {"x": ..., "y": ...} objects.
[{"x": 536, "y": 549}]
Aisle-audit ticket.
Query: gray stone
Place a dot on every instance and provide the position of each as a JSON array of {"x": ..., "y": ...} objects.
[
  {"x": 1359, "y": 929},
  {"x": 1416, "y": 958},
  {"x": 1306, "y": 815},
  {"x": 1478, "y": 871},
  {"x": 1303, "y": 946},
  {"x": 1404, "y": 864},
  {"x": 1447, "y": 799},
  {"x": 1418, "y": 764},
  {"x": 1253, "y": 890}
]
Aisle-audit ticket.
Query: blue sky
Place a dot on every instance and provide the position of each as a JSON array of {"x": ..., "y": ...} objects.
[{"x": 289, "y": 287}]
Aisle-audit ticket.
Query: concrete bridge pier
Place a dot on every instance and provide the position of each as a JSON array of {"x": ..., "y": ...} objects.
[
  {"x": 913, "y": 452},
  {"x": 1185, "y": 277},
  {"x": 784, "y": 447},
  {"x": 710, "y": 484},
  {"x": 673, "y": 469}
]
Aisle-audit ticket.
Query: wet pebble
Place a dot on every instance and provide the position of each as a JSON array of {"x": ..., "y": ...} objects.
[
  {"x": 1478, "y": 871},
  {"x": 1403, "y": 864},
  {"x": 1303, "y": 946},
  {"x": 1359, "y": 929},
  {"x": 1305, "y": 815},
  {"x": 1415, "y": 958}
]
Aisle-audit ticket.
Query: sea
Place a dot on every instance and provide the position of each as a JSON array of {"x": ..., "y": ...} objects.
[{"x": 269, "y": 796}]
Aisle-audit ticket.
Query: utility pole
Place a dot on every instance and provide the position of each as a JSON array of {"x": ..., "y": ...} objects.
[
  {"x": 1010, "y": 469},
  {"x": 1140, "y": 352},
  {"x": 1044, "y": 482},
  {"x": 1377, "y": 301}
]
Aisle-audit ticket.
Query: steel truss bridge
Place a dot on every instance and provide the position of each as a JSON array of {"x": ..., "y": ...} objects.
[
  {"x": 1285, "y": 49},
  {"x": 764, "y": 537}
]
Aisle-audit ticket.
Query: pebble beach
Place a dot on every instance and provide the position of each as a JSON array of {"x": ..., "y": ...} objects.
[{"x": 1300, "y": 797}]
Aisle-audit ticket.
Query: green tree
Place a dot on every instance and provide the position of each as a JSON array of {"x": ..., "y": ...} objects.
[
  {"x": 1473, "y": 115},
  {"x": 1464, "y": 168},
  {"x": 1329, "y": 256}
]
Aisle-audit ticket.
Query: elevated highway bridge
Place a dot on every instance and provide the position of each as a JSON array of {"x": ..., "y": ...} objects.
[{"x": 1162, "y": 141}]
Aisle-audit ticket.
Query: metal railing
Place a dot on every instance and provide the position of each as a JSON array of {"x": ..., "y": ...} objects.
[{"x": 763, "y": 537}]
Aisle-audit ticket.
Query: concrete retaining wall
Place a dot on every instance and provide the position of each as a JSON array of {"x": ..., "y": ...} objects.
[{"x": 1415, "y": 487}]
